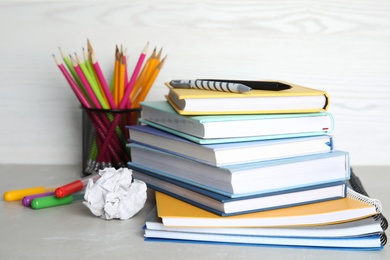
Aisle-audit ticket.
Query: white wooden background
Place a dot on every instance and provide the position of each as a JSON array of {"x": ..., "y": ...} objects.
[{"x": 342, "y": 47}]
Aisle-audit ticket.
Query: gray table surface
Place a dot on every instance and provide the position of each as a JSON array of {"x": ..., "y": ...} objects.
[{"x": 72, "y": 232}]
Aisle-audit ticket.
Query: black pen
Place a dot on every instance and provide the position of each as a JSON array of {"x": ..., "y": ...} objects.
[{"x": 259, "y": 85}]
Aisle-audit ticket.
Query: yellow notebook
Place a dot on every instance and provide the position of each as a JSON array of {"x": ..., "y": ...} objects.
[
  {"x": 297, "y": 99},
  {"x": 174, "y": 212}
]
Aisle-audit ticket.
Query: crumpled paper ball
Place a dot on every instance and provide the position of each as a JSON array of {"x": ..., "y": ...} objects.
[{"x": 115, "y": 195}]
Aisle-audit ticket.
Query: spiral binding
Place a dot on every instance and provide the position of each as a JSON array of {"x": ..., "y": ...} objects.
[
  {"x": 383, "y": 239},
  {"x": 360, "y": 197},
  {"x": 384, "y": 224},
  {"x": 357, "y": 186}
]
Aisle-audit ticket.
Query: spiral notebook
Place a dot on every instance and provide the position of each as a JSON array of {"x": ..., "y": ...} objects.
[
  {"x": 355, "y": 184},
  {"x": 359, "y": 234},
  {"x": 175, "y": 212}
]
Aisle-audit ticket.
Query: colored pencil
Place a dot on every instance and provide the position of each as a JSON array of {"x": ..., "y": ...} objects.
[
  {"x": 141, "y": 78},
  {"x": 116, "y": 77},
  {"x": 121, "y": 80},
  {"x": 82, "y": 99},
  {"x": 95, "y": 88},
  {"x": 99, "y": 125},
  {"x": 86, "y": 79},
  {"x": 149, "y": 69},
  {"x": 92, "y": 72},
  {"x": 150, "y": 80},
  {"x": 133, "y": 78},
  {"x": 123, "y": 103},
  {"x": 87, "y": 86},
  {"x": 69, "y": 65},
  {"x": 103, "y": 81}
]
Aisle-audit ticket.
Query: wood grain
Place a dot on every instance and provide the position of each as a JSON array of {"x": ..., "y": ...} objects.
[{"x": 338, "y": 46}]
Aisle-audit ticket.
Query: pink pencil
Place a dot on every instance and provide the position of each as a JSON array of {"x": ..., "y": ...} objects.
[
  {"x": 102, "y": 129},
  {"x": 125, "y": 61},
  {"x": 130, "y": 85},
  {"x": 103, "y": 81},
  {"x": 126, "y": 74},
  {"x": 72, "y": 83},
  {"x": 85, "y": 83},
  {"x": 123, "y": 102}
]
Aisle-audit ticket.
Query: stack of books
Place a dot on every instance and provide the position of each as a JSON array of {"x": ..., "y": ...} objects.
[{"x": 250, "y": 168}]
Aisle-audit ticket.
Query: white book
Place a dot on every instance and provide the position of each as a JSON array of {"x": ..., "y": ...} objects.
[{"x": 244, "y": 179}]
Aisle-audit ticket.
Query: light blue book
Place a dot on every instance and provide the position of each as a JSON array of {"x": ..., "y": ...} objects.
[
  {"x": 226, "y": 206},
  {"x": 245, "y": 179},
  {"x": 234, "y": 128},
  {"x": 230, "y": 153}
]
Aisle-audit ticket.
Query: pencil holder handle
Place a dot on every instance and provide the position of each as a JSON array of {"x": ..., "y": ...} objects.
[{"x": 104, "y": 138}]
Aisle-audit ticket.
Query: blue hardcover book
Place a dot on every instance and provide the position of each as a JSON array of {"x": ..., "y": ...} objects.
[
  {"x": 249, "y": 178},
  {"x": 230, "y": 153},
  {"x": 225, "y": 206},
  {"x": 234, "y": 128}
]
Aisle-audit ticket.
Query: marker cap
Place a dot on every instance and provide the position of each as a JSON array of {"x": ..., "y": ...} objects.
[{"x": 69, "y": 189}]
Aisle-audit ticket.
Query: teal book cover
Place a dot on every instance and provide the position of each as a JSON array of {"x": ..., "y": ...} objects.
[{"x": 211, "y": 128}]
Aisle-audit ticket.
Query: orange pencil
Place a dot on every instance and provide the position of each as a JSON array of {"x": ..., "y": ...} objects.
[
  {"x": 145, "y": 90},
  {"x": 141, "y": 77},
  {"x": 130, "y": 86},
  {"x": 149, "y": 70},
  {"x": 125, "y": 62},
  {"x": 121, "y": 81}
]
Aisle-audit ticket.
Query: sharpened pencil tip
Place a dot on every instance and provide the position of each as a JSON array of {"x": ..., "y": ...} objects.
[
  {"x": 145, "y": 50},
  {"x": 89, "y": 45},
  {"x": 159, "y": 66},
  {"x": 74, "y": 62},
  {"x": 56, "y": 60},
  {"x": 62, "y": 53},
  {"x": 93, "y": 58},
  {"x": 159, "y": 54},
  {"x": 85, "y": 53}
]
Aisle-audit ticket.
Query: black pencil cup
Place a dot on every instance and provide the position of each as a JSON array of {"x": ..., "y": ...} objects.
[{"x": 104, "y": 137}]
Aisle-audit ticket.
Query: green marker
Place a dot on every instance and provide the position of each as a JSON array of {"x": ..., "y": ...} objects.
[{"x": 53, "y": 201}]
